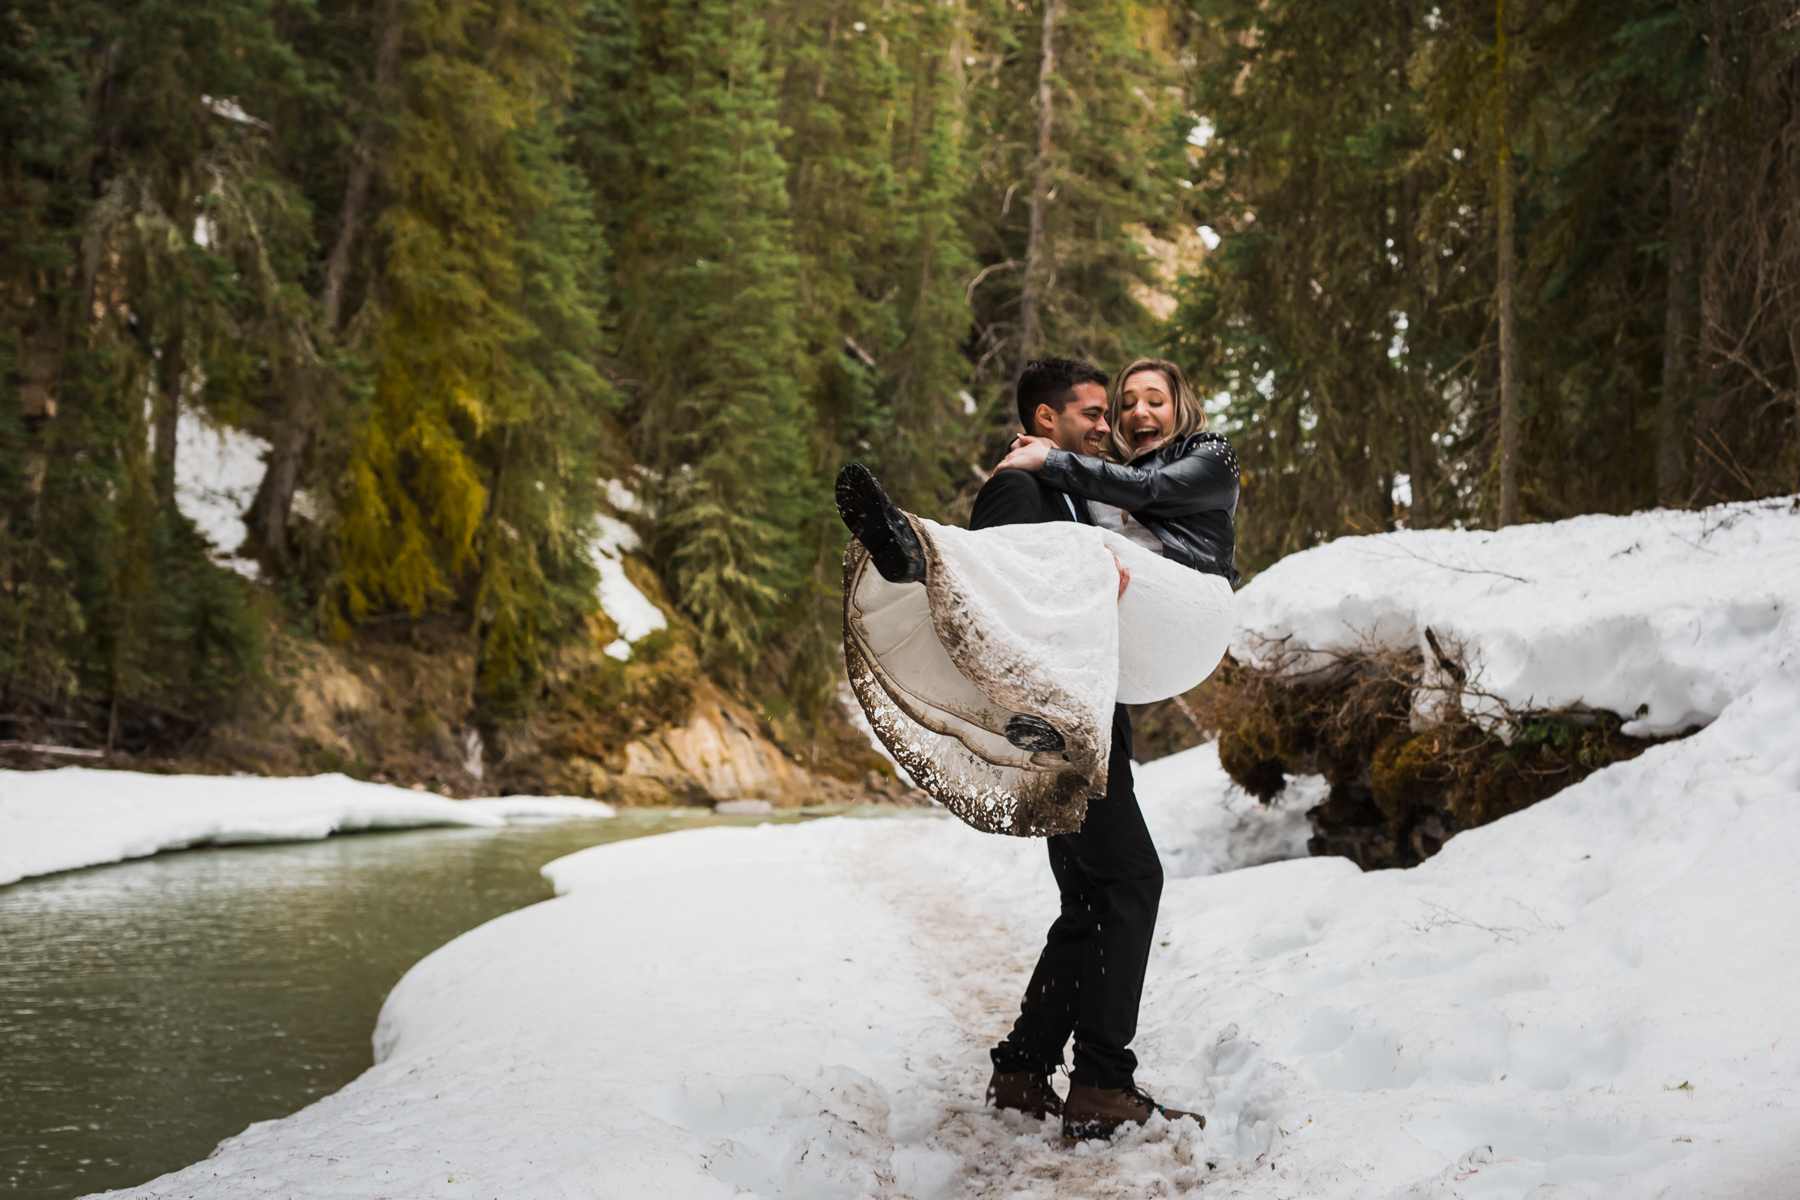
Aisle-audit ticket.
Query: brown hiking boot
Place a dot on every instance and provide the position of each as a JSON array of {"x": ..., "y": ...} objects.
[
  {"x": 1026, "y": 1092},
  {"x": 1092, "y": 1112}
]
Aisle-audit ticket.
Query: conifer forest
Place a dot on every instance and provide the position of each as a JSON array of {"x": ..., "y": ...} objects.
[{"x": 459, "y": 264}]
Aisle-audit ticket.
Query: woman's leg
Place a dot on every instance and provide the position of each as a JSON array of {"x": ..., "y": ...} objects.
[
  {"x": 1174, "y": 625},
  {"x": 879, "y": 525},
  {"x": 1000, "y": 665}
]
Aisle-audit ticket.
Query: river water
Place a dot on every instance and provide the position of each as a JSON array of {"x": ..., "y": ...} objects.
[{"x": 150, "y": 1009}]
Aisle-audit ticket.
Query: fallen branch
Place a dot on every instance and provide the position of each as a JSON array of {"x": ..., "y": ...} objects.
[{"x": 41, "y": 748}]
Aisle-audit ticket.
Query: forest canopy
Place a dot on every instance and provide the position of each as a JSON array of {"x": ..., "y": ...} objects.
[{"x": 458, "y": 263}]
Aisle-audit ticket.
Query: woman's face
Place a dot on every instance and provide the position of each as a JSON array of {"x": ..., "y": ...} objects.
[{"x": 1146, "y": 411}]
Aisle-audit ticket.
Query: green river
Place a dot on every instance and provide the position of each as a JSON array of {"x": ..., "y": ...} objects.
[{"x": 150, "y": 1009}]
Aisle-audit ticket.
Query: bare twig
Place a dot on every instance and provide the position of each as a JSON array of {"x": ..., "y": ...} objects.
[
  {"x": 981, "y": 276},
  {"x": 63, "y": 751},
  {"x": 1432, "y": 562}
]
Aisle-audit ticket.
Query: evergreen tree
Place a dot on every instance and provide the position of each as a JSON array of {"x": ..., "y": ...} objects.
[
  {"x": 604, "y": 124},
  {"x": 1747, "y": 418},
  {"x": 837, "y": 102},
  {"x": 1322, "y": 315},
  {"x": 543, "y": 450},
  {"x": 1612, "y": 247},
  {"x": 45, "y": 127},
  {"x": 708, "y": 289},
  {"x": 150, "y": 223},
  {"x": 932, "y": 420},
  {"x": 1077, "y": 121},
  {"x": 470, "y": 466},
  {"x": 876, "y": 176}
]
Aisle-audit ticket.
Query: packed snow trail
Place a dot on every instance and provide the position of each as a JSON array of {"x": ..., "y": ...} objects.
[{"x": 1589, "y": 998}]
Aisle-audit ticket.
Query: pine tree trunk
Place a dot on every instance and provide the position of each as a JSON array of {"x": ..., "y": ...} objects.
[
  {"x": 1676, "y": 405},
  {"x": 1711, "y": 483},
  {"x": 271, "y": 510},
  {"x": 267, "y": 520},
  {"x": 1417, "y": 407},
  {"x": 1037, "y": 265},
  {"x": 1419, "y": 467},
  {"x": 40, "y": 362},
  {"x": 1504, "y": 295},
  {"x": 171, "y": 367},
  {"x": 362, "y": 173}
]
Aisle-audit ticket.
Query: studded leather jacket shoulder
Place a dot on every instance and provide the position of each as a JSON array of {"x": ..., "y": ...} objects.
[{"x": 1185, "y": 492}]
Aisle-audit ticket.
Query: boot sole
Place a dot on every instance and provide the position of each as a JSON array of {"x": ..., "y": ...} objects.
[{"x": 881, "y": 527}]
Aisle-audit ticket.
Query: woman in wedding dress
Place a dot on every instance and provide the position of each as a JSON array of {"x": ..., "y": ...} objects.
[{"x": 988, "y": 661}]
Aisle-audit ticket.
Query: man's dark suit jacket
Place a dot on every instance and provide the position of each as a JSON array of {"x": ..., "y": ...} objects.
[{"x": 1020, "y": 498}]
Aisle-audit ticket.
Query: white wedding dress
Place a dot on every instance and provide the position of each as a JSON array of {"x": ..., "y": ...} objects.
[{"x": 1022, "y": 619}]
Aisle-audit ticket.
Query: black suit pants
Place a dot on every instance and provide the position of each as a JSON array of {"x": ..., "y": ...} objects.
[{"x": 1090, "y": 977}]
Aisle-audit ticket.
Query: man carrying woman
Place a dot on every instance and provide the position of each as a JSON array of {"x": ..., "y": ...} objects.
[{"x": 994, "y": 662}]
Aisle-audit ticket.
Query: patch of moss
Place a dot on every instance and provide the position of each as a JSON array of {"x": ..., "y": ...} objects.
[
  {"x": 1250, "y": 752},
  {"x": 1406, "y": 773}
]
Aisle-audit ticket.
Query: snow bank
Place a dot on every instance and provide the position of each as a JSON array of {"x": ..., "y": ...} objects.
[
  {"x": 217, "y": 472},
  {"x": 629, "y": 609},
  {"x": 540, "y": 808},
  {"x": 1203, "y": 824},
  {"x": 79, "y": 817},
  {"x": 1669, "y": 613},
  {"x": 1590, "y": 998}
]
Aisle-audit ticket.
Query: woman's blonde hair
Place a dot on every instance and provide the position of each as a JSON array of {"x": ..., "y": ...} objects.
[{"x": 1190, "y": 414}]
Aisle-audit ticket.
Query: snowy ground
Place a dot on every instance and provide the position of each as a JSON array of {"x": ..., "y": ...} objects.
[
  {"x": 796, "y": 1011},
  {"x": 1591, "y": 998},
  {"x": 77, "y": 817}
]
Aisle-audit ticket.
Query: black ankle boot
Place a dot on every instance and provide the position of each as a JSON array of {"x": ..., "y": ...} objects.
[{"x": 882, "y": 528}]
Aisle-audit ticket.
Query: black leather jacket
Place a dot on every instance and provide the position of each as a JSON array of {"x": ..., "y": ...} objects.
[{"x": 1185, "y": 492}]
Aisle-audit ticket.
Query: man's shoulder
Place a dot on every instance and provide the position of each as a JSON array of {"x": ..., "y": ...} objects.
[
  {"x": 1022, "y": 483},
  {"x": 1009, "y": 497}
]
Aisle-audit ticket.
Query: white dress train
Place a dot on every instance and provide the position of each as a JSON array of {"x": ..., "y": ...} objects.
[{"x": 1022, "y": 619}]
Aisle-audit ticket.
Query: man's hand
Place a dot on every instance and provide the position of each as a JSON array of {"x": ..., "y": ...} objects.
[
  {"x": 1124, "y": 575},
  {"x": 1027, "y": 453}
]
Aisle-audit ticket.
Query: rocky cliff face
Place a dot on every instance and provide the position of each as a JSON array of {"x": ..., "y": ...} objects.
[
  {"x": 650, "y": 730},
  {"x": 719, "y": 754}
]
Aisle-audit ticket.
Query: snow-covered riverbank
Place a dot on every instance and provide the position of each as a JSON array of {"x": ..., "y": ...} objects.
[
  {"x": 1592, "y": 997},
  {"x": 77, "y": 817},
  {"x": 787, "y": 1009}
]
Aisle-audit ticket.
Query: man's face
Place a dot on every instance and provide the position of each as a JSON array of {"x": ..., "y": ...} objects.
[{"x": 1080, "y": 427}]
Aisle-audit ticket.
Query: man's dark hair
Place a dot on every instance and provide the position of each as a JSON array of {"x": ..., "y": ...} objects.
[{"x": 1052, "y": 381}]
